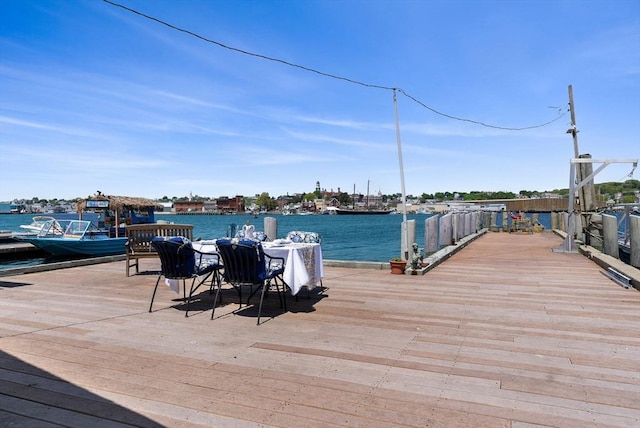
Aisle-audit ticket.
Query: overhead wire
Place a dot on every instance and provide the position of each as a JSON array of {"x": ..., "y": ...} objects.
[
  {"x": 330, "y": 75},
  {"x": 630, "y": 175}
]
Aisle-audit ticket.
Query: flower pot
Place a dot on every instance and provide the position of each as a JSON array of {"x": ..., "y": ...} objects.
[{"x": 398, "y": 267}]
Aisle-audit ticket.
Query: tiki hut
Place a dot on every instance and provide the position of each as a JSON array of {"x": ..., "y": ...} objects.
[{"x": 124, "y": 209}]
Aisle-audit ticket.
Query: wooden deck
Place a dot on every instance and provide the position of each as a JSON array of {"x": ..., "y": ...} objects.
[{"x": 506, "y": 333}]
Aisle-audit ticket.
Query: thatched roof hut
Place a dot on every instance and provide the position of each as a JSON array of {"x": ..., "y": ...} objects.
[{"x": 120, "y": 203}]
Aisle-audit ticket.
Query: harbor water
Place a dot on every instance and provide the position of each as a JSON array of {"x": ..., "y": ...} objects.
[{"x": 373, "y": 238}]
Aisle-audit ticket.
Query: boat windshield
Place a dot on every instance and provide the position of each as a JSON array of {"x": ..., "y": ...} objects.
[
  {"x": 77, "y": 228},
  {"x": 52, "y": 228}
]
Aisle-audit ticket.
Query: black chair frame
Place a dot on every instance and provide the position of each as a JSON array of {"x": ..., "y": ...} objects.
[
  {"x": 246, "y": 264},
  {"x": 180, "y": 261}
]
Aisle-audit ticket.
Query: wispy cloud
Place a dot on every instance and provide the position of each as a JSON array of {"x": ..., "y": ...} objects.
[{"x": 615, "y": 51}]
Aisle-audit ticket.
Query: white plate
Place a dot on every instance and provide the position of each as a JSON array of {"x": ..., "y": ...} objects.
[{"x": 280, "y": 242}]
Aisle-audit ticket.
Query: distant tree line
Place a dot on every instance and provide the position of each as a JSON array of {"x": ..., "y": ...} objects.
[{"x": 625, "y": 192}]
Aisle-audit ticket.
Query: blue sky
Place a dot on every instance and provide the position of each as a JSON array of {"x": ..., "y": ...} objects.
[{"x": 95, "y": 97}]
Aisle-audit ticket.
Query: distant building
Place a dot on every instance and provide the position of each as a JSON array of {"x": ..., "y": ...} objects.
[
  {"x": 188, "y": 206},
  {"x": 167, "y": 207},
  {"x": 228, "y": 205},
  {"x": 210, "y": 206}
]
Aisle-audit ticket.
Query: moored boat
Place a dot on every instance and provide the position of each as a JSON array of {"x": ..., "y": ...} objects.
[
  {"x": 74, "y": 238},
  {"x": 361, "y": 212},
  {"x": 36, "y": 224}
]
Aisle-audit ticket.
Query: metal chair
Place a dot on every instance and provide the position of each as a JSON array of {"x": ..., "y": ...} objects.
[
  {"x": 246, "y": 264},
  {"x": 180, "y": 261}
]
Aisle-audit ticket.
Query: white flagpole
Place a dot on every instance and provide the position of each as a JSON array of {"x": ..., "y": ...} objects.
[{"x": 405, "y": 226}]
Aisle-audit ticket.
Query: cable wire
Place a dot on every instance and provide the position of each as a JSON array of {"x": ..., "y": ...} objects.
[{"x": 325, "y": 74}]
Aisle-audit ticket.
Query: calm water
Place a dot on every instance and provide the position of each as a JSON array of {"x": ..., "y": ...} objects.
[{"x": 373, "y": 238}]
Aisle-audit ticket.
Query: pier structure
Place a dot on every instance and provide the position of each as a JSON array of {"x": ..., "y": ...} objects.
[{"x": 506, "y": 333}]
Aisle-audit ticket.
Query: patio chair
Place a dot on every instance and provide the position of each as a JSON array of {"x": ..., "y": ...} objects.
[
  {"x": 246, "y": 264},
  {"x": 180, "y": 261}
]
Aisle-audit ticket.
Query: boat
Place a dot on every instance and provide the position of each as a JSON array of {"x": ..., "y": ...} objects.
[
  {"x": 340, "y": 211},
  {"x": 36, "y": 224},
  {"x": 367, "y": 211},
  {"x": 17, "y": 208},
  {"x": 624, "y": 251},
  {"x": 74, "y": 238}
]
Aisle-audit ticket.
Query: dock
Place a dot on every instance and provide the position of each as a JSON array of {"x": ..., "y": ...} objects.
[
  {"x": 10, "y": 248},
  {"x": 505, "y": 333}
]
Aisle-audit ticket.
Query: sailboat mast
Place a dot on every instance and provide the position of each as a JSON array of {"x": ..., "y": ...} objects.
[
  {"x": 367, "y": 207},
  {"x": 354, "y": 196}
]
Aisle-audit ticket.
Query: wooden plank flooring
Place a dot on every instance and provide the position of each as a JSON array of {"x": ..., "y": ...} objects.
[{"x": 506, "y": 333}]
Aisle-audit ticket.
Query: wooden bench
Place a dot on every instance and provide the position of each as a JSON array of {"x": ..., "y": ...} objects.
[{"x": 139, "y": 238}]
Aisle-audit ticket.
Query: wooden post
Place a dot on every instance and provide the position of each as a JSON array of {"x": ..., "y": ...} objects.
[
  {"x": 594, "y": 229},
  {"x": 588, "y": 192},
  {"x": 431, "y": 235},
  {"x": 271, "y": 227},
  {"x": 610, "y": 235},
  {"x": 455, "y": 227},
  {"x": 579, "y": 228},
  {"x": 467, "y": 224},
  {"x": 446, "y": 230},
  {"x": 410, "y": 234},
  {"x": 576, "y": 152},
  {"x": 574, "y": 130},
  {"x": 634, "y": 240}
]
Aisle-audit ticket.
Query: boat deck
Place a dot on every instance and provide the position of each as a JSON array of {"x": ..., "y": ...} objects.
[{"x": 505, "y": 333}]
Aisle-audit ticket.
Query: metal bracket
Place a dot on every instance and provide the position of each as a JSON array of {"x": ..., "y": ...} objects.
[{"x": 569, "y": 241}]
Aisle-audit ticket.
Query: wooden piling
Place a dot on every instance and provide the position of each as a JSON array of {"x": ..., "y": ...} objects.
[
  {"x": 446, "y": 230},
  {"x": 271, "y": 227},
  {"x": 431, "y": 235},
  {"x": 610, "y": 235},
  {"x": 634, "y": 240}
]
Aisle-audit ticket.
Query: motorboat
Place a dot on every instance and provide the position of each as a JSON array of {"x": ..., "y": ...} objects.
[
  {"x": 36, "y": 224},
  {"x": 75, "y": 238},
  {"x": 361, "y": 212}
]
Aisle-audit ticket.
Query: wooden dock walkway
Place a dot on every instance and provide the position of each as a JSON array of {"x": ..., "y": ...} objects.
[{"x": 506, "y": 333}]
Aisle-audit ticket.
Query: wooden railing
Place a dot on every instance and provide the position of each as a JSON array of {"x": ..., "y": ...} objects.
[{"x": 139, "y": 238}]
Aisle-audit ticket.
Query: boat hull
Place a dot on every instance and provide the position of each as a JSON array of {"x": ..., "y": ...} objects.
[
  {"x": 78, "y": 247},
  {"x": 363, "y": 212}
]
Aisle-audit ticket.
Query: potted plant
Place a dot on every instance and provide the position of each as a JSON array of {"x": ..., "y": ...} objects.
[{"x": 398, "y": 266}]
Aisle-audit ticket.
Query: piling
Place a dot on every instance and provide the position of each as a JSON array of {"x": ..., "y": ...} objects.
[
  {"x": 610, "y": 235},
  {"x": 271, "y": 227},
  {"x": 446, "y": 230},
  {"x": 634, "y": 240},
  {"x": 411, "y": 235},
  {"x": 431, "y": 235}
]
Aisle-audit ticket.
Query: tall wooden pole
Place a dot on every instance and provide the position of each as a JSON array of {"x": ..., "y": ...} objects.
[
  {"x": 574, "y": 129},
  {"x": 576, "y": 151}
]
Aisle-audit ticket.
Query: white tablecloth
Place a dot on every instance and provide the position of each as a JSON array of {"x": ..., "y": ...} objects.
[{"x": 303, "y": 262}]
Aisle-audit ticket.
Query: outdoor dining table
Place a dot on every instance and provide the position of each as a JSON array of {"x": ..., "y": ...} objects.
[{"x": 303, "y": 261}]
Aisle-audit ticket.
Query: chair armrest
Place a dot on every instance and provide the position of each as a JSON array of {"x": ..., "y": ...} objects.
[
  {"x": 279, "y": 261},
  {"x": 209, "y": 256}
]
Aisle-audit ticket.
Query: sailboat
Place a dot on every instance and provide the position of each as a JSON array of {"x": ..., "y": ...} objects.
[{"x": 367, "y": 211}]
